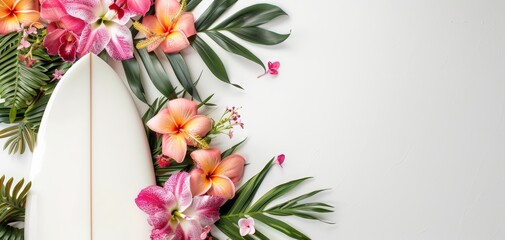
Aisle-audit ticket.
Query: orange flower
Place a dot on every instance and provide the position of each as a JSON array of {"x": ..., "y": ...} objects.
[
  {"x": 13, "y": 13},
  {"x": 213, "y": 176}
]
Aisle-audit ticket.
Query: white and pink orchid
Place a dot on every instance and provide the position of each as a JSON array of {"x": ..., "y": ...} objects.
[
  {"x": 174, "y": 213},
  {"x": 180, "y": 126},
  {"x": 105, "y": 25}
]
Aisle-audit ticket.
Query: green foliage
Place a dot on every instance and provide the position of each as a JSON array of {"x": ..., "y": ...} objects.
[
  {"x": 25, "y": 89},
  {"x": 244, "y": 24},
  {"x": 12, "y": 207},
  {"x": 242, "y": 206}
]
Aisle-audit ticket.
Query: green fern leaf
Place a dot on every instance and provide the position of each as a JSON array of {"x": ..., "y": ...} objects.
[
  {"x": 12, "y": 207},
  {"x": 242, "y": 206}
]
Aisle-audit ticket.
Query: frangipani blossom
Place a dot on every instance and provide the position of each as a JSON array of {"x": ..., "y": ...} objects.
[
  {"x": 213, "y": 176},
  {"x": 180, "y": 126},
  {"x": 63, "y": 32},
  {"x": 103, "y": 30},
  {"x": 272, "y": 69},
  {"x": 174, "y": 213},
  {"x": 13, "y": 13},
  {"x": 246, "y": 226},
  {"x": 170, "y": 28}
]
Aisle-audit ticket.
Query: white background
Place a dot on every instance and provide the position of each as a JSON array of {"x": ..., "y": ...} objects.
[{"x": 398, "y": 106}]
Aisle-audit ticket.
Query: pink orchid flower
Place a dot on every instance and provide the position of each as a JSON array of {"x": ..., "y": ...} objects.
[
  {"x": 246, "y": 226},
  {"x": 170, "y": 28},
  {"x": 174, "y": 213},
  {"x": 103, "y": 29},
  {"x": 272, "y": 69},
  {"x": 180, "y": 126},
  {"x": 63, "y": 31},
  {"x": 213, "y": 176},
  {"x": 14, "y": 13}
]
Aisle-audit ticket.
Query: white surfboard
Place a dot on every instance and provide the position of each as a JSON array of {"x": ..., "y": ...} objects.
[{"x": 91, "y": 161}]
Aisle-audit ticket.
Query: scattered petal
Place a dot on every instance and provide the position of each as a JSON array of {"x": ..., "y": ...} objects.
[
  {"x": 280, "y": 159},
  {"x": 246, "y": 226}
]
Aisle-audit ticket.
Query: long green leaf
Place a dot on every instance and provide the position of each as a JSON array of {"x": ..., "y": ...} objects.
[
  {"x": 252, "y": 16},
  {"x": 281, "y": 227},
  {"x": 210, "y": 59},
  {"x": 192, "y": 4},
  {"x": 275, "y": 193},
  {"x": 259, "y": 35},
  {"x": 132, "y": 72},
  {"x": 182, "y": 73},
  {"x": 229, "y": 151},
  {"x": 157, "y": 73},
  {"x": 231, "y": 46},
  {"x": 213, "y": 12}
]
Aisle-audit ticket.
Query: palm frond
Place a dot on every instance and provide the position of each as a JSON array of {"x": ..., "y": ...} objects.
[
  {"x": 242, "y": 206},
  {"x": 12, "y": 205}
]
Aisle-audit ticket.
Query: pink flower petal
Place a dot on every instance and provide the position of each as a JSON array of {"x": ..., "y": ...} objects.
[
  {"x": 198, "y": 125},
  {"x": 152, "y": 23},
  {"x": 222, "y": 187},
  {"x": 162, "y": 123},
  {"x": 200, "y": 184},
  {"x": 120, "y": 46},
  {"x": 280, "y": 159},
  {"x": 88, "y": 10},
  {"x": 73, "y": 24},
  {"x": 154, "y": 199},
  {"x": 93, "y": 40},
  {"x": 205, "y": 209},
  {"x": 231, "y": 167},
  {"x": 274, "y": 65},
  {"x": 182, "y": 110},
  {"x": 8, "y": 24},
  {"x": 139, "y": 6},
  {"x": 52, "y": 10},
  {"x": 174, "y": 146},
  {"x": 188, "y": 230},
  {"x": 179, "y": 185},
  {"x": 162, "y": 233},
  {"x": 52, "y": 41},
  {"x": 186, "y": 24},
  {"x": 207, "y": 159},
  {"x": 205, "y": 232},
  {"x": 175, "y": 42},
  {"x": 246, "y": 226},
  {"x": 166, "y": 10},
  {"x": 68, "y": 47}
]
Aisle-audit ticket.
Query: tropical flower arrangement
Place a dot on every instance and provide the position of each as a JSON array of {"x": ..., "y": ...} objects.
[{"x": 199, "y": 188}]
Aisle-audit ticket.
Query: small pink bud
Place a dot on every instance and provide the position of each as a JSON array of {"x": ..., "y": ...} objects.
[{"x": 280, "y": 159}]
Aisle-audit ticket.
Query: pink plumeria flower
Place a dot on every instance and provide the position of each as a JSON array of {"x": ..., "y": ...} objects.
[
  {"x": 174, "y": 213},
  {"x": 213, "y": 176},
  {"x": 246, "y": 226},
  {"x": 280, "y": 159},
  {"x": 24, "y": 44},
  {"x": 180, "y": 126},
  {"x": 272, "y": 69},
  {"x": 58, "y": 74}
]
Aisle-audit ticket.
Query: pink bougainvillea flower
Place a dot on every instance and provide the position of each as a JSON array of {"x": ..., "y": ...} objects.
[
  {"x": 272, "y": 69},
  {"x": 58, "y": 74},
  {"x": 170, "y": 28},
  {"x": 63, "y": 31},
  {"x": 103, "y": 29},
  {"x": 13, "y": 13},
  {"x": 246, "y": 226},
  {"x": 180, "y": 126},
  {"x": 174, "y": 213},
  {"x": 213, "y": 176},
  {"x": 23, "y": 44}
]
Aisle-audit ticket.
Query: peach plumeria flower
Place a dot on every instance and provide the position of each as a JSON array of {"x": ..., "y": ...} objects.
[
  {"x": 180, "y": 126},
  {"x": 14, "y": 13},
  {"x": 213, "y": 176},
  {"x": 169, "y": 29}
]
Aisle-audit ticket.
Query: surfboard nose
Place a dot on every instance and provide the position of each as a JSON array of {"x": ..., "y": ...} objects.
[{"x": 91, "y": 161}]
